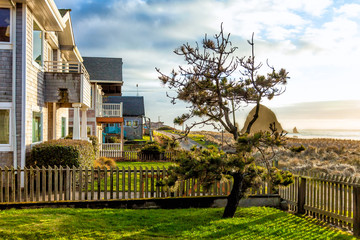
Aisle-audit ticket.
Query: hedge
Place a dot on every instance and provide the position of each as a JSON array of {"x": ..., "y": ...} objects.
[{"x": 63, "y": 152}]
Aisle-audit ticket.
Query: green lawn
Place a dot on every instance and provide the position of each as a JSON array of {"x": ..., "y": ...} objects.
[
  {"x": 143, "y": 165},
  {"x": 249, "y": 223},
  {"x": 132, "y": 165}
]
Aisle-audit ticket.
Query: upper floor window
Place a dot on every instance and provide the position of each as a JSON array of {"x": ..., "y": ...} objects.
[
  {"x": 5, "y": 25},
  {"x": 37, "y": 44}
]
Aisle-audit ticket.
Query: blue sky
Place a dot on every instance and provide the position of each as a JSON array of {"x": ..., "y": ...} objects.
[{"x": 316, "y": 41}]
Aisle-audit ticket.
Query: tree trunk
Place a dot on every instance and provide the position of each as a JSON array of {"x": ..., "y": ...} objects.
[{"x": 234, "y": 197}]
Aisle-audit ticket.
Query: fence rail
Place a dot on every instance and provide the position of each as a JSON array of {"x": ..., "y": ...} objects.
[
  {"x": 113, "y": 150},
  {"x": 53, "y": 184},
  {"x": 333, "y": 199}
]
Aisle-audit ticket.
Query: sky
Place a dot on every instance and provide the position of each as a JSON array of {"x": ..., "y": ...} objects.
[{"x": 317, "y": 42}]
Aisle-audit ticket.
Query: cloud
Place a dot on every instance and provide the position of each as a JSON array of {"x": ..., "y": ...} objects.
[{"x": 316, "y": 41}]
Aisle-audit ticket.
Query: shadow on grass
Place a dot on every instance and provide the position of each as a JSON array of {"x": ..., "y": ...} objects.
[{"x": 249, "y": 223}]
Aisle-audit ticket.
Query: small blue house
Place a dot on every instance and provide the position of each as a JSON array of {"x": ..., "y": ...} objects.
[{"x": 133, "y": 114}]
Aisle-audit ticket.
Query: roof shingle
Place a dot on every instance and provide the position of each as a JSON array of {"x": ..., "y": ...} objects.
[
  {"x": 104, "y": 69},
  {"x": 132, "y": 106}
]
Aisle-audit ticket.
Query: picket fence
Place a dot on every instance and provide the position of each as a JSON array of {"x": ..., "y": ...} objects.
[
  {"x": 332, "y": 199},
  {"x": 113, "y": 150},
  {"x": 52, "y": 184}
]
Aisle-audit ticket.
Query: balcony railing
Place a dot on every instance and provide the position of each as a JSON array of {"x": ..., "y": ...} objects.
[
  {"x": 66, "y": 67},
  {"x": 109, "y": 109}
]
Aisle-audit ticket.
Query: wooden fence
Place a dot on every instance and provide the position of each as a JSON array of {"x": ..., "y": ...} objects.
[
  {"x": 333, "y": 199},
  {"x": 113, "y": 150}
]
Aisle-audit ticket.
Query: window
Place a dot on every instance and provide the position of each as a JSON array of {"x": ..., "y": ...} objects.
[
  {"x": 37, "y": 44},
  {"x": 5, "y": 25},
  {"x": 89, "y": 130},
  {"x": 128, "y": 123},
  {"x": 63, "y": 127},
  {"x": 37, "y": 127},
  {"x": 135, "y": 123},
  {"x": 4, "y": 126}
]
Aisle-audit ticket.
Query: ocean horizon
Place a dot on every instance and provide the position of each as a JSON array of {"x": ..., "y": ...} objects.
[{"x": 350, "y": 134}]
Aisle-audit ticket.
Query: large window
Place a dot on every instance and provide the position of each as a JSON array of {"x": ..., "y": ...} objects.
[
  {"x": 37, "y": 44},
  {"x": 5, "y": 25},
  {"x": 37, "y": 127},
  {"x": 4, "y": 126}
]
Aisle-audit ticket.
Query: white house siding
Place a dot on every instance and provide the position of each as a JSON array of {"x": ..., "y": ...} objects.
[
  {"x": 35, "y": 85},
  {"x": 6, "y": 75}
]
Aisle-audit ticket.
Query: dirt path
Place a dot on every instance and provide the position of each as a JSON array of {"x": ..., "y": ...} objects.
[{"x": 185, "y": 143}]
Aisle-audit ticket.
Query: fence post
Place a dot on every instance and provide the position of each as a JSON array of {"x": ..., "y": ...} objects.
[
  {"x": 301, "y": 195},
  {"x": 356, "y": 211}
]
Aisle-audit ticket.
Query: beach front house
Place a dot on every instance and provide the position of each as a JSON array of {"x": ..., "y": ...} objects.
[
  {"x": 41, "y": 77},
  {"x": 133, "y": 114},
  {"x": 106, "y": 81}
]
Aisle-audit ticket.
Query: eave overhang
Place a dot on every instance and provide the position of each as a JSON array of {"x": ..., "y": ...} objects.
[{"x": 47, "y": 14}]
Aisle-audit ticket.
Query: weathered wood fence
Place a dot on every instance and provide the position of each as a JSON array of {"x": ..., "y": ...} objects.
[
  {"x": 113, "y": 150},
  {"x": 52, "y": 184},
  {"x": 332, "y": 199}
]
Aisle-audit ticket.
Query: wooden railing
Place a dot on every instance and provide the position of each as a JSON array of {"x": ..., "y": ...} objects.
[
  {"x": 109, "y": 109},
  {"x": 333, "y": 199},
  {"x": 66, "y": 67}
]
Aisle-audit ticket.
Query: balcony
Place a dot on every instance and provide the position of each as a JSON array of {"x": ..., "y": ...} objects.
[
  {"x": 67, "y": 83},
  {"x": 109, "y": 112}
]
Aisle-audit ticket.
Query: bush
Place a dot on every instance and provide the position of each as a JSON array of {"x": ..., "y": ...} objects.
[
  {"x": 297, "y": 149},
  {"x": 95, "y": 143},
  {"x": 103, "y": 162},
  {"x": 151, "y": 152},
  {"x": 63, "y": 152},
  {"x": 152, "y": 148},
  {"x": 166, "y": 128}
]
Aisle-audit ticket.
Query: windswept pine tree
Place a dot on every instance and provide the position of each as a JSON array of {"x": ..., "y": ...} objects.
[{"x": 206, "y": 84}]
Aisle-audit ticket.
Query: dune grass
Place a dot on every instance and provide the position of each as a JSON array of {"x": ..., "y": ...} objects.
[{"x": 249, "y": 223}]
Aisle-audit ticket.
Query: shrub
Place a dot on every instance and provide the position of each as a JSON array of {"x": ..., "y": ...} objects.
[
  {"x": 63, "y": 152},
  {"x": 152, "y": 148},
  {"x": 103, "y": 162},
  {"x": 297, "y": 149},
  {"x": 95, "y": 143},
  {"x": 166, "y": 128}
]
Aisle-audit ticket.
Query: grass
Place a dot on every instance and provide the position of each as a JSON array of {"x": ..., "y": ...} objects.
[
  {"x": 132, "y": 165},
  {"x": 248, "y": 223},
  {"x": 143, "y": 165}
]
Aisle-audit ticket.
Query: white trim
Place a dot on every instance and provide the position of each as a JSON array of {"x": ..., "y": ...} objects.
[
  {"x": 23, "y": 87},
  {"x": 14, "y": 68}
]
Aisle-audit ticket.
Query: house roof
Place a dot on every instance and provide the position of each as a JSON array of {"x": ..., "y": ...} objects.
[
  {"x": 64, "y": 11},
  {"x": 103, "y": 69},
  {"x": 132, "y": 106}
]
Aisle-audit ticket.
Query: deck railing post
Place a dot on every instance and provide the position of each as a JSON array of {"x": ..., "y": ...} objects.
[
  {"x": 301, "y": 195},
  {"x": 356, "y": 210}
]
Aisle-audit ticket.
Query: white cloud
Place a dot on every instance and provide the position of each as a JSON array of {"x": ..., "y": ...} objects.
[{"x": 316, "y": 41}]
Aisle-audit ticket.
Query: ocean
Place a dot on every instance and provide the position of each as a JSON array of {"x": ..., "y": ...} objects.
[{"x": 327, "y": 133}]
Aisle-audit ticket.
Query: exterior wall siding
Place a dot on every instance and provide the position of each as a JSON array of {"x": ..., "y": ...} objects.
[
  {"x": 5, "y": 75},
  {"x": 70, "y": 81},
  {"x": 35, "y": 86},
  {"x": 6, "y": 159}
]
